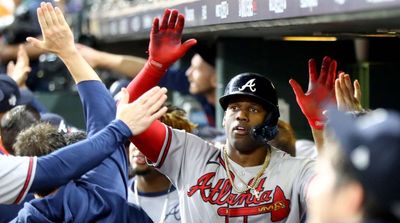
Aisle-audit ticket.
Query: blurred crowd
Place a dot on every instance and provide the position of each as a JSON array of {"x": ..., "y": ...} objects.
[{"x": 145, "y": 158}]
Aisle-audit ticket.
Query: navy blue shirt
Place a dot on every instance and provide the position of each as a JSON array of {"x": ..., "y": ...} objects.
[
  {"x": 176, "y": 80},
  {"x": 9, "y": 211},
  {"x": 100, "y": 195}
]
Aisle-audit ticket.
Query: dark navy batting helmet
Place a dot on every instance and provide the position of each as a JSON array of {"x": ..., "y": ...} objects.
[{"x": 262, "y": 90}]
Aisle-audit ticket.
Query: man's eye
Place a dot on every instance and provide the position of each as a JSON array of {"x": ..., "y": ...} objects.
[
  {"x": 233, "y": 107},
  {"x": 253, "y": 110}
]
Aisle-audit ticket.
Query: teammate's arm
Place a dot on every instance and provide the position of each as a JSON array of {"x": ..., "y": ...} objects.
[
  {"x": 164, "y": 49},
  {"x": 10, "y": 52},
  {"x": 72, "y": 161},
  {"x": 58, "y": 38},
  {"x": 126, "y": 65}
]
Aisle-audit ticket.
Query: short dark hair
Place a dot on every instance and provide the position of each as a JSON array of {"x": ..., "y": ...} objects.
[
  {"x": 176, "y": 118},
  {"x": 39, "y": 140},
  {"x": 73, "y": 137},
  {"x": 14, "y": 121}
]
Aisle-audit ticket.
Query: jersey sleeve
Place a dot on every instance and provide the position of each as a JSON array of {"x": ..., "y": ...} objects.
[
  {"x": 81, "y": 202},
  {"x": 16, "y": 174},
  {"x": 150, "y": 141},
  {"x": 182, "y": 154},
  {"x": 100, "y": 109},
  {"x": 98, "y": 105},
  {"x": 74, "y": 160},
  {"x": 307, "y": 173}
]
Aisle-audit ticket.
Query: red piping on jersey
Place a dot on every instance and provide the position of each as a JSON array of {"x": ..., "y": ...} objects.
[
  {"x": 151, "y": 141},
  {"x": 3, "y": 150},
  {"x": 166, "y": 149},
  {"x": 27, "y": 180},
  {"x": 223, "y": 165}
]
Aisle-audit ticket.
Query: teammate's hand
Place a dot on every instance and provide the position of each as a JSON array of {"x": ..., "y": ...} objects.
[
  {"x": 20, "y": 70},
  {"x": 139, "y": 114},
  {"x": 165, "y": 40},
  {"x": 57, "y": 36},
  {"x": 348, "y": 98},
  {"x": 320, "y": 90}
]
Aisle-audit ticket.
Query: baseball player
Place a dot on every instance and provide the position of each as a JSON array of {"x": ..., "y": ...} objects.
[
  {"x": 246, "y": 180},
  {"x": 100, "y": 194}
]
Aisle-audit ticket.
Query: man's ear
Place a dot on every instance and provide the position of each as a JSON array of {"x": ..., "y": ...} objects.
[
  {"x": 223, "y": 120},
  {"x": 213, "y": 79}
]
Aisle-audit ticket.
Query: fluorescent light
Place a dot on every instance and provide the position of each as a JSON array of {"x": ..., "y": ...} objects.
[{"x": 309, "y": 38}]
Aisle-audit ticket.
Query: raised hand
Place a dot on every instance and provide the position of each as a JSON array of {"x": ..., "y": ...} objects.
[
  {"x": 320, "y": 90},
  {"x": 348, "y": 98},
  {"x": 58, "y": 39},
  {"x": 20, "y": 70},
  {"x": 57, "y": 36},
  {"x": 139, "y": 114},
  {"x": 165, "y": 40}
]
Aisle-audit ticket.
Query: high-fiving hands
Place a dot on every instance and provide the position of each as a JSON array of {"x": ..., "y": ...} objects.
[
  {"x": 348, "y": 97},
  {"x": 165, "y": 46},
  {"x": 57, "y": 36},
  {"x": 139, "y": 114},
  {"x": 320, "y": 90}
]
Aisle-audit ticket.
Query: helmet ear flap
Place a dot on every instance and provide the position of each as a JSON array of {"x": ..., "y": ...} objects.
[
  {"x": 267, "y": 130},
  {"x": 264, "y": 133}
]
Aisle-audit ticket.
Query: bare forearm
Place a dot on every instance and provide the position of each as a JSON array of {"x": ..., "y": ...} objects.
[
  {"x": 78, "y": 67},
  {"x": 123, "y": 64},
  {"x": 10, "y": 52},
  {"x": 318, "y": 139}
]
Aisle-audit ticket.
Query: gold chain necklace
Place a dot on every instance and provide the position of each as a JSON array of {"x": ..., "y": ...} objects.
[{"x": 256, "y": 181}]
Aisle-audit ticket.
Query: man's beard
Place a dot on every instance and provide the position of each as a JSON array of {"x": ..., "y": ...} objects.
[{"x": 141, "y": 172}]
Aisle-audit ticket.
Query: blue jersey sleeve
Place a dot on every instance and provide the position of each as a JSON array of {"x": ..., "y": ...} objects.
[
  {"x": 74, "y": 160},
  {"x": 100, "y": 109},
  {"x": 98, "y": 105},
  {"x": 175, "y": 80},
  {"x": 81, "y": 202}
]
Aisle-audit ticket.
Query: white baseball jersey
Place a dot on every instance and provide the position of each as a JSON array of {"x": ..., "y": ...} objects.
[
  {"x": 16, "y": 176},
  {"x": 198, "y": 171},
  {"x": 306, "y": 148},
  {"x": 155, "y": 203}
]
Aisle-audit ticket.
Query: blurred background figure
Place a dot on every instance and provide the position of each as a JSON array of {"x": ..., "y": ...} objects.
[
  {"x": 358, "y": 170},
  {"x": 199, "y": 80},
  {"x": 15, "y": 121}
]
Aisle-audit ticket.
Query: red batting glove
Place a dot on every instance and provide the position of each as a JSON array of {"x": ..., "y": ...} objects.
[
  {"x": 165, "y": 41},
  {"x": 164, "y": 49},
  {"x": 320, "y": 90}
]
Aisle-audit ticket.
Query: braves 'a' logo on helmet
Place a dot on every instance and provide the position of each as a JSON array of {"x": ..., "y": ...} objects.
[{"x": 250, "y": 84}]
